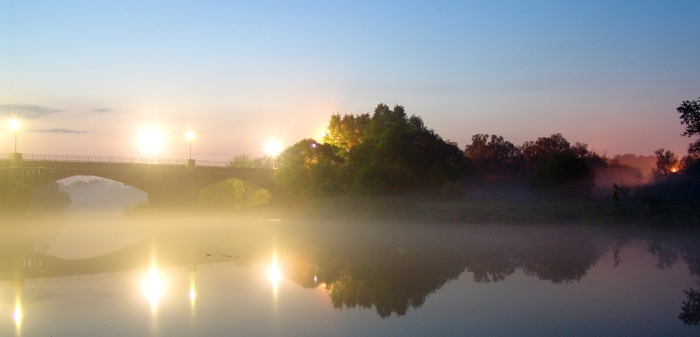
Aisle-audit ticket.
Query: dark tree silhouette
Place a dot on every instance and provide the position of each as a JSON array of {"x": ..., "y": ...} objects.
[
  {"x": 537, "y": 153},
  {"x": 564, "y": 175},
  {"x": 494, "y": 158},
  {"x": 666, "y": 163},
  {"x": 690, "y": 314},
  {"x": 690, "y": 117}
]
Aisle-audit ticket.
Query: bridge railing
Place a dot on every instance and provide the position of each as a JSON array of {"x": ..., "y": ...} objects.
[{"x": 114, "y": 160}]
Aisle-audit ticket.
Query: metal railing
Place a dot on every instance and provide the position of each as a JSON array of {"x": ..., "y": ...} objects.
[{"x": 116, "y": 160}]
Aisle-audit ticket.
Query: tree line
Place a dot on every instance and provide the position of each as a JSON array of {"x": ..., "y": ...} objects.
[{"x": 392, "y": 153}]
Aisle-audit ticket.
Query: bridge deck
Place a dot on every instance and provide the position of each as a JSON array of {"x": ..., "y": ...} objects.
[
  {"x": 167, "y": 181},
  {"x": 5, "y": 157}
]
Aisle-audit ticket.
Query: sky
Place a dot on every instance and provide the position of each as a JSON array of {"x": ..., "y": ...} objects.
[{"x": 87, "y": 77}]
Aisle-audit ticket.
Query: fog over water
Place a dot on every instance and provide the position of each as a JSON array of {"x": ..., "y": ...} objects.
[
  {"x": 91, "y": 193},
  {"x": 88, "y": 273}
]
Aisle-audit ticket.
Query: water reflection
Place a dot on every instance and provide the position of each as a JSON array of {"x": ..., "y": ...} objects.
[
  {"x": 17, "y": 314},
  {"x": 274, "y": 273},
  {"x": 398, "y": 270},
  {"x": 193, "y": 293},
  {"x": 390, "y": 268},
  {"x": 153, "y": 287}
]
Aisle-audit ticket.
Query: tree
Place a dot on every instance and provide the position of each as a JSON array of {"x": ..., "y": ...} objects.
[
  {"x": 690, "y": 117},
  {"x": 246, "y": 161},
  {"x": 690, "y": 164},
  {"x": 564, "y": 175},
  {"x": 690, "y": 314},
  {"x": 536, "y": 153},
  {"x": 386, "y": 153},
  {"x": 494, "y": 157},
  {"x": 310, "y": 170},
  {"x": 227, "y": 194},
  {"x": 15, "y": 198},
  {"x": 49, "y": 197},
  {"x": 399, "y": 154},
  {"x": 344, "y": 132},
  {"x": 666, "y": 163}
]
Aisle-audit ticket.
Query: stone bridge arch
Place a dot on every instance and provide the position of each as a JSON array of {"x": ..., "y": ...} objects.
[{"x": 166, "y": 185}]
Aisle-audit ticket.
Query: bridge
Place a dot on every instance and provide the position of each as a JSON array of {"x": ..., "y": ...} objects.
[
  {"x": 169, "y": 183},
  {"x": 20, "y": 265}
]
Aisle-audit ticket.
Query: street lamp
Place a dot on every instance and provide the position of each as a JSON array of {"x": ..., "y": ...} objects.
[
  {"x": 190, "y": 162},
  {"x": 151, "y": 142},
  {"x": 190, "y": 137},
  {"x": 14, "y": 125},
  {"x": 272, "y": 149}
]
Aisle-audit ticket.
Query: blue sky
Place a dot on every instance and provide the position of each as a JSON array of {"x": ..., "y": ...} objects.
[{"x": 609, "y": 74}]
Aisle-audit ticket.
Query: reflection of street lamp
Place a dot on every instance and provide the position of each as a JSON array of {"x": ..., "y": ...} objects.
[
  {"x": 190, "y": 137},
  {"x": 272, "y": 149},
  {"x": 14, "y": 125}
]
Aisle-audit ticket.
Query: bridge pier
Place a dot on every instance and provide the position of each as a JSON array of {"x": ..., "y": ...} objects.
[
  {"x": 189, "y": 167},
  {"x": 16, "y": 160}
]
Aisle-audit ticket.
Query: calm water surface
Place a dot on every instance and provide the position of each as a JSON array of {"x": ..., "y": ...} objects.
[{"x": 97, "y": 275}]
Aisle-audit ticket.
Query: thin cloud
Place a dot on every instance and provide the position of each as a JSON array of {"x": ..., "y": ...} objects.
[
  {"x": 101, "y": 110},
  {"x": 61, "y": 131},
  {"x": 26, "y": 110}
]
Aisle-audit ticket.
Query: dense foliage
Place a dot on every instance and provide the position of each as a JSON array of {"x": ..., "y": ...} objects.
[
  {"x": 234, "y": 194},
  {"x": 690, "y": 117},
  {"x": 383, "y": 154},
  {"x": 20, "y": 197},
  {"x": 549, "y": 166},
  {"x": 390, "y": 153}
]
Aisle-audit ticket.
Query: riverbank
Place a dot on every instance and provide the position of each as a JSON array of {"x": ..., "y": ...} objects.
[{"x": 492, "y": 211}]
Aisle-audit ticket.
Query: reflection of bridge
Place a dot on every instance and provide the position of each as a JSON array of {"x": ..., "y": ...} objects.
[
  {"x": 169, "y": 183},
  {"x": 27, "y": 266}
]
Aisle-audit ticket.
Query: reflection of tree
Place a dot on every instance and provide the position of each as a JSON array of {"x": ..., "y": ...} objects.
[
  {"x": 397, "y": 272},
  {"x": 391, "y": 284},
  {"x": 669, "y": 250},
  {"x": 559, "y": 259},
  {"x": 388, "y": 277},
  {"x": 690, "y": 314},
  {"x": 493, "y": 268},
  {"x": 665, "y": 254}
]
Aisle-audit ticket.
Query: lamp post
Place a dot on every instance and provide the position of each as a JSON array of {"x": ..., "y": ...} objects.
[
  {"x": 190, "y": 137},
  {"x": 190, "y": 162},
  {"x": 15, "y": 158},
  {"x": 14, "y": 125}
]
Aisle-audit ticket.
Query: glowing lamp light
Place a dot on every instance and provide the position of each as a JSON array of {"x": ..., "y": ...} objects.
[
  {"x": 274, "y": 274},
  {"x": 189, "y": 135},
  {"x": 14, "y": 124},
  {"x": 153, "y": 287},
  {"x": 151, "y": 141},
  {"x": 674, "y": 170},
  {"x": 17, "y": 316},
  {"x": 272, "y": 148}
]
